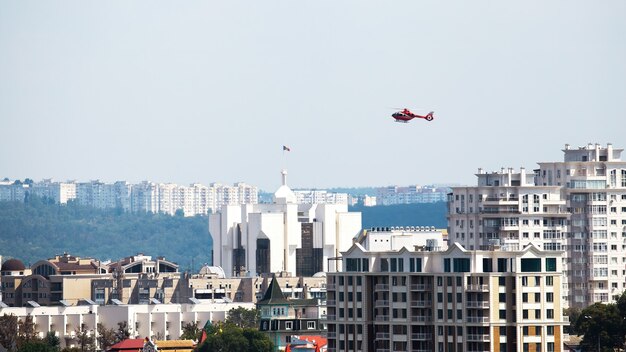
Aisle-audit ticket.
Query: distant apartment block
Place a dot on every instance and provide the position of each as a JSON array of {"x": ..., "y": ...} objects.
[
  {"x": 320, "y": 197},
  {"x": 167, "y": 198},
  {"x": 411, "y": 194}
]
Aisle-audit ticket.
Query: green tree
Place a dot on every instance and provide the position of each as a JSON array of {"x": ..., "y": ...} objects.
[
  {"x": 52, "y": 340},
  {"x": 35, "y": 346},
  {"x": 602, "y": 326},
  {"x": 244, "y": 318},
  {"x": 227, "y": 337},
  {"x": 26, "y": 331},
  {"x": 106, "y": 337},
  {"x": 191, "y": 331},
  {"x": 122, "y": 332},
  {"x": 258, "y": 340},
  {"x": 86, "y": 342},
  {"x": 8, "y": 332},
  {"x": 573, "y": 313}
]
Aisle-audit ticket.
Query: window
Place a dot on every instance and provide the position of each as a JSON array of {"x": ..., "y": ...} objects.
[
  {"x": 550, "y": 330},
  {"x": 288, "y": 325},
  {"x": 550, "y": 313},
  {"x": 531, "y": 265},
  {"x": 487, "y": 265},
  {"x": 502, "y": 265},
  {"x": 549, "y": 297},
  {"x": 502, "y": 297},
  {"x": 310, "y": 325},
  {"x": 446, "y": 265},
  {"x": 461, "y": 265},
  {"x": 550, "y": 264},
  {"x": 502, "y": 313},
  {"x": 502, "y": 281},
  {"x": 549, "y": 281}
]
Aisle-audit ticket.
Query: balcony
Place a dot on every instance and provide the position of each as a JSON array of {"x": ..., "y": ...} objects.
[
  {"x": 381, "y": 303},
  {"x": 478, "y": 337},
  {"x": 477, "y": 304},
  {"x": 421, "y": 318},
  {"x": 422, "y": 336},
  {"x": 331, "y": 317},
  {"x": 331, "y": 302},
  {"x": 420, "y": 287},
  {"x": 420, "y": 304},
  {"x": 382, "y": 287},
  {"x": 331, "y": 334},
  {"x": 382, "y": 318},
  {"x": 478, "y": 320},
  {"x": 330, "y": 287},
  {"x": 382, "y": 335},
  {"x": 479, "y": 288}
]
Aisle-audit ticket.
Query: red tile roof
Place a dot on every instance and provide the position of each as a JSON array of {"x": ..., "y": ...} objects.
[{"x": 128, "y": 344}]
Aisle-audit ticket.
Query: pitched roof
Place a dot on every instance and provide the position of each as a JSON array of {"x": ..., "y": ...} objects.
[
  {"x": 273, "y": 295},
  {"x": 128, "y": 344}
]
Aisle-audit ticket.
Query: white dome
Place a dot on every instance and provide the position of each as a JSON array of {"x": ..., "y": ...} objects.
[
  {"x": 213, "y": 270},
  {"x": 284, "y": 194}
]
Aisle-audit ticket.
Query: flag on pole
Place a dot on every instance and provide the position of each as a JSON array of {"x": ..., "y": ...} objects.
[{"x": 286, "y": 148}]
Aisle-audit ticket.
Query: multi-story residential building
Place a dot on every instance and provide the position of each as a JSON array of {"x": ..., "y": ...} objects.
[
  {"x": 12, "y": 192},
  {"x": 69, "y": 280},
  {"x": 593, "y": 181},
  {"x": 144, "y": 197},
  {"x": 281, "y": 318},
  {"x": 59, "y": 192},
  {"x": 577, "y": 205},
  {"x": 399, "y": 293},
  {"x": 167, "y": 198},
  {"x": 320, "y": 197},
  {"x": 411, "y": 194},
  {"x": 283, "y": 236}
]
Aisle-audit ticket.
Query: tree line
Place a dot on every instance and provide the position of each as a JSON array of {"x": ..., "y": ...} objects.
[
  {"x": 39, "y": 229},
  {"x": 17, "y": 335}
]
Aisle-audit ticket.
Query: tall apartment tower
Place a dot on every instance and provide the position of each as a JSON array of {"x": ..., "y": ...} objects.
[
  {"x": 577, "y": 205},
  {"x": 593, "y": 180},
  {"x": 395, "y": 296}
]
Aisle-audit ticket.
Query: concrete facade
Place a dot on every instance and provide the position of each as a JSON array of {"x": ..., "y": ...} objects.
[
  {"x": 407, "y": 298},
  {"x": 269, "y": 238},
  {"x": 577, "y": 205}
]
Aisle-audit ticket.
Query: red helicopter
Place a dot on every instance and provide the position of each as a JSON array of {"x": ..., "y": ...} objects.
[{"x": 406, "y": 115}]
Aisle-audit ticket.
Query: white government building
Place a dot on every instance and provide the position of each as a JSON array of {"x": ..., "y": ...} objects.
[{"x": 282, "y": 236}]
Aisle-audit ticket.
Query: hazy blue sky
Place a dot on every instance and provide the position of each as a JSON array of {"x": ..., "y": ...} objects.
[{"x": 188, "y": 91}]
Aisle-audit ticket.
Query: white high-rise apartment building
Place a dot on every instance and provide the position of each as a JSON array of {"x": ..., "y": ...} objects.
[
  {"x": 146, "y": 196},
  {"x": 60, "y": 192},
  {"x": 320, "y": 197},
  {"x": 577, "y": 205},
  {"x": 411, "y": 194}
]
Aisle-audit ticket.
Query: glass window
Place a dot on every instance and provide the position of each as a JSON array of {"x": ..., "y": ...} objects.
[{"x": 550, "y": 264}]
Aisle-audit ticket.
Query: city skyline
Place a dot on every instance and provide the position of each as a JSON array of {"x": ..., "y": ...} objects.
[{"x": 207, "y": 92}]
